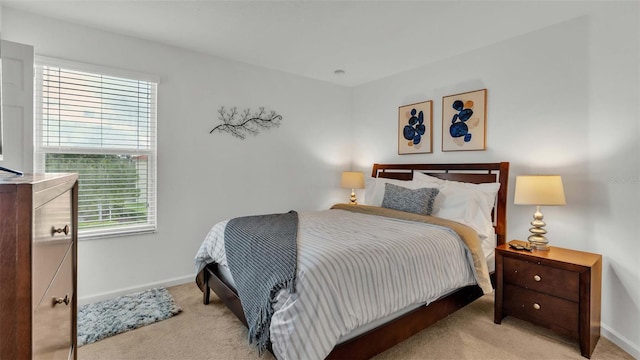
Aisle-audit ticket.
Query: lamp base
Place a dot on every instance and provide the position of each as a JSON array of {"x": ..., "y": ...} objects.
[
  {"x": 353, "y": 198},
  {"x": 537, "y": 244},
  {"x": 537, "y": 240}
]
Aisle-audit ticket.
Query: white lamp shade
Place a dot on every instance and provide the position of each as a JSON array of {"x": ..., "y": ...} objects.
[
  {"x": 352, "y": 180},
  {"x": 539, "y": 190}
]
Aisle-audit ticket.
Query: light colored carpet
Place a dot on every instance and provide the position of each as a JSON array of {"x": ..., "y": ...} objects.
[{"x": 213, "y": 332}]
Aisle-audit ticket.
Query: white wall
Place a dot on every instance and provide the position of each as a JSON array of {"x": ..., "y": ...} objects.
[
  {"x": 204, "y": 178},
  {"x": 565, "y": 100}
]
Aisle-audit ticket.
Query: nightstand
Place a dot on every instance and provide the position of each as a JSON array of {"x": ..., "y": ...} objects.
[{"x": 558, "y": 289}]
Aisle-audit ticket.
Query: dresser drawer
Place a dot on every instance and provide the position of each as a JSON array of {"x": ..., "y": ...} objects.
[
  {"x": 557, "y": 282},
  {"x": 549, "y": 311},
  {"x": 52, "y": 321},
  {"x": 49, "y": 245},
  {"x": 52, "y": 220}
]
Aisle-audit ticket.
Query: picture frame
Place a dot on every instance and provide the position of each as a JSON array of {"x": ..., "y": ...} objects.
[
  {"x": 464, "y": 121},
  {"x": 415, "y": 128}
]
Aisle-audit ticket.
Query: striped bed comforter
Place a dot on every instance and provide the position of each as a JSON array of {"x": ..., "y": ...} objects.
[{"x": 355, "y": 268}]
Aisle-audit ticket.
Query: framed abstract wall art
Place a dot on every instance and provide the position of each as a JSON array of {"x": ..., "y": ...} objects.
[
  {"x": 464, "y": 121},
  {"x": 415, "y": 128}
]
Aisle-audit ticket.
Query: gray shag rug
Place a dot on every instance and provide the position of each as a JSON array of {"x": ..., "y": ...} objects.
[{"x": 106, "y": 318}]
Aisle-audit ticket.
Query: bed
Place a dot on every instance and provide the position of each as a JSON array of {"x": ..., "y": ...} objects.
[{"x": 376, "y": 336}]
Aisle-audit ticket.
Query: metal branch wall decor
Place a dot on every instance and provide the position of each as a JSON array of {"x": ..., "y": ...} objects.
[{"x": 240, "y": 124}]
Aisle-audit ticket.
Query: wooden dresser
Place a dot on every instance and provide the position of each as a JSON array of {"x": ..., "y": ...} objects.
[
  {"x": 559, "y": 289},
  {"x": 38, "y": 263}
]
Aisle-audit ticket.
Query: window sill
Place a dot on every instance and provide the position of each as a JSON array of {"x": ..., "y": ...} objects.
[{"x": 105, "y": 234}]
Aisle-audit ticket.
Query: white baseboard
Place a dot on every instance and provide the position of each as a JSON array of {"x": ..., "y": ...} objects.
[
  {"x": 624, "y": 343},
  {"x": 113, "y": 294}
]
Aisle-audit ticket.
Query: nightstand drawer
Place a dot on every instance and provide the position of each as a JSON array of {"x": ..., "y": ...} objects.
[
  {"x": 549, "y": 311},
  {"x": 557, "y": 282}
]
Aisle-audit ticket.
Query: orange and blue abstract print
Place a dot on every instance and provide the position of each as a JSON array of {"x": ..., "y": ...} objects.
[
  {"x": 414, "y": 128},
  {"x": 464, "y": 121}
]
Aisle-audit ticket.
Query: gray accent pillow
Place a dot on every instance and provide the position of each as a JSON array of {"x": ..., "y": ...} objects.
[{"x": 417, "y": 201}]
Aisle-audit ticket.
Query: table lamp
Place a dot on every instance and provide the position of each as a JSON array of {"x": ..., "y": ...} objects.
[
  {"x": 352, "y": 180},
  {"x": 539, "y": 190}
]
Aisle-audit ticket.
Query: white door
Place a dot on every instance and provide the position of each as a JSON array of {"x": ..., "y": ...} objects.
[{"x": 17, "y": 106}]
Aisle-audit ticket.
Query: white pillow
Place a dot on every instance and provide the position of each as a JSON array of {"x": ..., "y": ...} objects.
[
  {"x": 418, "y": 176},
  {"x": 467, "y": 203},
  {"x": 489, "y": 190},
  {"x": 466, "y": 206}
]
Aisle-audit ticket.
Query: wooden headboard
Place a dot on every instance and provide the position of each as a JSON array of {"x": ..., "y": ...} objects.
[{"x": 475, "y": 173}]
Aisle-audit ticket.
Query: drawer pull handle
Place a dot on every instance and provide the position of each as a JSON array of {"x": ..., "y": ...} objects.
[
  {"x": 64, "y": 230},
  {"x": 536, "y": 306},
  {"x": 537, "y": 278},
  {"x": 64, "y": 300}
]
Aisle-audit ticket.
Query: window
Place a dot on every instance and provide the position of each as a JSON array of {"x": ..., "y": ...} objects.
[{"x": 101, "y": 124}]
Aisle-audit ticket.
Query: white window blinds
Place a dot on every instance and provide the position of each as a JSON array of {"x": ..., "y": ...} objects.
[{"x": 102, "y": 127}]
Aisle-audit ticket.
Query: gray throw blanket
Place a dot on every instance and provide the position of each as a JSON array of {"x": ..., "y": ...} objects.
[{"x": 262, "y": 257}]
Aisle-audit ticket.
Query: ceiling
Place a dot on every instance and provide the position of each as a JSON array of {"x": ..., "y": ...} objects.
[{"x": 369, "y": 40}]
